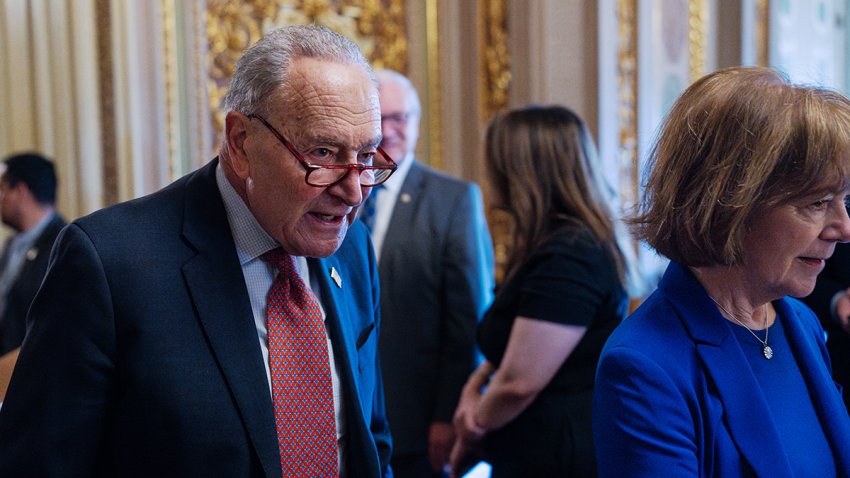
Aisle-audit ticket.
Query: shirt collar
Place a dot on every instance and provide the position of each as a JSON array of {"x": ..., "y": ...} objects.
[
  {"x": 250, "y": 238},
  {"x": 33, "y": 233}
]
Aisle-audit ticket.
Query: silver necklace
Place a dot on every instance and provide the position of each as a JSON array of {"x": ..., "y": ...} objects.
[{"x": 765, "y": 350}]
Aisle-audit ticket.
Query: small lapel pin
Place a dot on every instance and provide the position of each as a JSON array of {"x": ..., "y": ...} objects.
[
  {"x": 32, "y": 253},
  {"x": 335, "y": 276},
  {"x": 405, "y": 198}
]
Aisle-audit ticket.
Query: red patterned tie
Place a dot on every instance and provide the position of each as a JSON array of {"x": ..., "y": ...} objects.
[{"x": 301, "y": 376}]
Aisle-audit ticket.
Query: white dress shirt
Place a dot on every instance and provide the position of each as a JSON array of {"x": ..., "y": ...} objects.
[
  {"x": 252, "y": 241},
  {"x": 385, "y": 203}
]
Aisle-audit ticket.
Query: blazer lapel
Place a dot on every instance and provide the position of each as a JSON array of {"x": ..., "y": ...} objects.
[
  {"x": 404, "y": 210},
  {"x": 827, "y": 402},
  {"x": 744, "y": 404},
  {"x": 362, "y": 454},
  {"x": 216, "y": 285},
  {"x": 339, "y": 329}
]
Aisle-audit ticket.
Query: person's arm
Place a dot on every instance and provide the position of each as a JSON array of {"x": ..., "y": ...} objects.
[
  {"x": 468, "y": 432},
  {"x": 467, "y": 292},
  {"x": 54, "y": 414},
  {"x": 536, "y": 350},
  {"x": 641, "y": 422}
]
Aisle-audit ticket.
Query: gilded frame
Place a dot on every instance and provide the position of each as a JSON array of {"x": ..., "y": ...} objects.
[{"x": 377, "y": 26}]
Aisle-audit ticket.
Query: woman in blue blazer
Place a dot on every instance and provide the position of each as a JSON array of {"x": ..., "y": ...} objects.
[{"x": 719, "y": 373}]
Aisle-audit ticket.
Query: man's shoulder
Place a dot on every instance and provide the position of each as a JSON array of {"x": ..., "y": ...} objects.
[
  {"x": 440, "y": 179},
  {"x": 157, "y": 208},
  {"x": 443, "y": 189}
]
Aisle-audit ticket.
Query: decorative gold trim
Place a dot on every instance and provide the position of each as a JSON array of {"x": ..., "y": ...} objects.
[
  {"x": 698, "y": 19},
  {"x": 494, "y": 83},
  {"x": 377, "y": 26},
  {"x": 109, "y": 145},
  {"x": 205, "y": 142},
  {"x": 762, "y": 32},
  {"x": 495, "y": 59},
  {"x": 169, "y": 46},
  {"x": 435, "y": 105},
  {"x": 627, "y": 108}
]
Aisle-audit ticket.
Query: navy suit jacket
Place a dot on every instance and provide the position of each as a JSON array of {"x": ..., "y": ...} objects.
[
  {"x": 18, "y": 300},
  {"x": 143, "y": 358},
  {"x": 436, "y": 273},
  {"x": 675, "y": 395}
]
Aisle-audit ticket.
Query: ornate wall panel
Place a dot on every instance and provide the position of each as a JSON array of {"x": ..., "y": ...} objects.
[
  {"x": 762, "y": 31},
  {"x": 627, "y": 99},
  {"x": 107, "y": 106},
  {"x": 495, "y": 61},
  {"x": 697, "y": 37},
  {"x": 377, "y": 26},
  {"x": 494, "y": 83},
  {"x": 434, "y": 107}
]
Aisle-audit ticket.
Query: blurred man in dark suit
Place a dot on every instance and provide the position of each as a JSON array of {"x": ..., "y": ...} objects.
[
  {"x": 27, "y": 198},
  {"x": 436, "y": 267}
]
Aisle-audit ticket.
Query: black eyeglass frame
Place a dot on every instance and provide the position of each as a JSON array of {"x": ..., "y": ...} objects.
[{"x": 310, "y": 168}]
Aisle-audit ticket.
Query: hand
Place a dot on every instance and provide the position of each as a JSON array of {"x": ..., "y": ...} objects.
[
  {"x": 441, "y": 437},
  {"x": 842, "y": 310},
  {"x": 464, "y": 421},
  {"x": 469, "y": 433},
  {"x": 460, "y": 450}
]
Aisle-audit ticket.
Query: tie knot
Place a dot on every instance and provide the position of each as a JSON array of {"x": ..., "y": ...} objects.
[{"x": 276, "y": 257}]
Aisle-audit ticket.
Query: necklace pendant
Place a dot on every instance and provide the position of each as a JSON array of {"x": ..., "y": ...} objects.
[{"x": 767, "y": 351}]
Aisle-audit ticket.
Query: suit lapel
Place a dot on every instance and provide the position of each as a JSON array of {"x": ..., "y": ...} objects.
[
  {"x": 827, "y": 402},
  {"x": 216, "y": 285},
  {"x": 339, "y": 329},
  {"x": 744, "y": 404},
  {"x": 404, "y": 210},
  {"x": 362, "y": 455}
]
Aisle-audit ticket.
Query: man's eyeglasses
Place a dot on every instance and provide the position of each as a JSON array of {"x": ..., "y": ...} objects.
[{"x": 323, "y": 175}]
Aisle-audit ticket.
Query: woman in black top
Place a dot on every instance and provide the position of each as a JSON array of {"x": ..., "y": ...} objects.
[{"x": 530, "y": 400}]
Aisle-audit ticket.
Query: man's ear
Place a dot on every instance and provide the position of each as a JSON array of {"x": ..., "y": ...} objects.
[
  {"x": 235, "y": 135},
  {"x": 21, "y": 189}
]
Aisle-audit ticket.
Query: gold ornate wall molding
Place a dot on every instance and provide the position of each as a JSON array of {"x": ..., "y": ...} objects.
[
  {"x": 105, "y": 69},
  {"x": 377, "y": 26},
  {"x": 435, "y": 104},
  {"x": 762, "y": 32},
  {"x": 697, "y": 23},
  {"x": 495, "y": 59},
  {"x": 494, "y": 83},
  {"x": 627, "y": 99},
  {"x": 172, "y": 84}
]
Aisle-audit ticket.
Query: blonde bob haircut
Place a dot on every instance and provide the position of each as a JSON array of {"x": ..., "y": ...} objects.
[{"x": 738, "y": 141}]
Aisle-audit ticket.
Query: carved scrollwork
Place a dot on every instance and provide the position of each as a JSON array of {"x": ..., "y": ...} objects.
[
  {"x": 697, "y": 37},
  {"x": 627, "y": 99},
  {"x": 377, "y": 26},
  {"x": 496, "y": 73}
]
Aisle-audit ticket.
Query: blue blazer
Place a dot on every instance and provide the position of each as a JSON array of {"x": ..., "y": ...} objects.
[
  {"x": 143, "y": 358},
  {"x": 675, "y": 395}
]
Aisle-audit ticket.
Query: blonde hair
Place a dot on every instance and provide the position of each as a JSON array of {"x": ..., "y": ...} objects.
[{"x": 738, "y": 141}]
